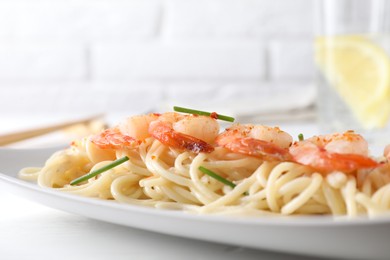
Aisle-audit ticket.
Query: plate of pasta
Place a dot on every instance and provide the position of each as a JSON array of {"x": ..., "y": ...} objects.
[{"x": 248, "y": 185}]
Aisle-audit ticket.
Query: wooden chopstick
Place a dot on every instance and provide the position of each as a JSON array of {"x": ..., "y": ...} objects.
[{"x": 26, "y": 134}]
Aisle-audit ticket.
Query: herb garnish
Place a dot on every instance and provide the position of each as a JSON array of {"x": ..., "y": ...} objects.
[
  {"x": 100, "y": 170},
  {"x": 203, "y": 113},
  {"x": 218, "y": 177}
]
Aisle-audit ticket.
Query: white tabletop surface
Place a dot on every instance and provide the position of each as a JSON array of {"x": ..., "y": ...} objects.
[{"x": 32, "y": 231}]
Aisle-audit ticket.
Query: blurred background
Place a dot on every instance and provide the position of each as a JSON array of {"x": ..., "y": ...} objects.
[
  {"x": 61, "y": 59},
  {"x": 126, "y": 56}
]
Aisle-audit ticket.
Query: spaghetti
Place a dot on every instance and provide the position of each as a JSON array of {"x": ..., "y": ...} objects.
[{"x": 164, "y": 173}]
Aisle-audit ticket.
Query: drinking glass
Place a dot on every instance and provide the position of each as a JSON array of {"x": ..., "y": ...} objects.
[{"x": 352, "y": 50}]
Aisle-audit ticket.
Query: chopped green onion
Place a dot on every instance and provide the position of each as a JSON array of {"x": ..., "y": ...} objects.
[
  {"x": 100, "y": 170},
  {"x": 216, "y": 176},
  {"x": 219, "y": 178},
  {"x": 203, "y": 113},
  {"x": 300, "y": 137}
]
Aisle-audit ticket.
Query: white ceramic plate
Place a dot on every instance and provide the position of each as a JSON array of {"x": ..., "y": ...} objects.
[{"x": 321, "y": 236}]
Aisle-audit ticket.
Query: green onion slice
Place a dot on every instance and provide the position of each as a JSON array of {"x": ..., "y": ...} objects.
[
  {"x": 203, "y": 113},
  {"x": 100, "y": 170},
  {"x": 219, "y": 178},
  {"x": 300, "y": 137},
  {"x": 216, "y": 176}
]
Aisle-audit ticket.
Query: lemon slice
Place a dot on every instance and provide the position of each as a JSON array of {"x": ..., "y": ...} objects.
[{"x": 359, "y": 70}]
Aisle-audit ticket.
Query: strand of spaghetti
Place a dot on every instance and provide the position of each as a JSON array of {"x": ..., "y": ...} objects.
[
  {"x": 180, "y": 167},
  {"x": 233, "y": 196},
  {"x": 165, "y": 173},
  {"x": 228, "y": 164},
  {"x": 258, "y": 204},
  {"x": 262, "y": 171},
  {"x": 371, "y": 208},
  {"x": 294, "y": 171},
  {"x": 348, "y": 192},
  {"x": 174, "y": 195},
  {"x": 69, "y": 161},
  {"x": 162, "y": 156},
  {"x": 153, "y": 152},
  {"x": 151, "y": 187},
  {"x": 272, "y": 185},
  {"x": 185, "y": 193},
  {"x": 99, "y": 188},
  {"x": 336, "y": 179},
  {"x": 292, "y": 188},
  {"x": 153, "y": 181},
  {"x": 144, "y": 147},
  {"x": 334, "y": 199},
  {"x": 137, "y": 170},
  {"x": 56, "y": 163},
  {"x": 176, "y": 179},
  {"x": 319, "y": 197},
  {"x": 385, "y": 199},
  {"x": 304, "y": 196},
  {"x": 153, "y": 161},
  {"x": 256, "y": 187},
  {"x": 382, "y": 196},
  {"x": 313, "y": 209},
  {"x": 117, "y": 187},
  {"x": 262, "y": 176},
  {"x": 135, "y": 164},
  {"x": 199, "y": 188},
  {"x": 126, "y": 184},
  {"x": 30, "y": 173},
  {"x": 260, "y": 195}
]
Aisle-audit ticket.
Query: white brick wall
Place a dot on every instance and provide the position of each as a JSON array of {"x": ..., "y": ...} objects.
[
  {"x": 184, "y": 60},
  {"x": 129, "y": 55},
  {"x": 239, "y": 18},
  {"x": 42, "y": 61},
  {"x": 79, "y": 20},
  {"x": 291, "y": 59}
]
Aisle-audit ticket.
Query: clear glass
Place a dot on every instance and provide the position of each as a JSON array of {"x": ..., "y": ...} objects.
[{"x": 352, "y": 52}]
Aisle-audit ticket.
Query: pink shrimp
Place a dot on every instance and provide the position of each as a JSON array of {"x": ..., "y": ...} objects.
[
  {"x": 128, "y": 134},
  {"x": 345, "y": 152},
  {"x": 267, "y": 143},
  {"x": 386, "y": 152},
  {"x": 190, "y": 132},
  {"x": 112, "y": 138}
]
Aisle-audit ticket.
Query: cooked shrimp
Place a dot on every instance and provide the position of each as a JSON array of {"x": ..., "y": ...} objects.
[
  {"x": 345, "y": 152},
  {"x": 113, "y": 138},
  {"x": 191, "y": 132},
  {"x": 137, "y": 126},
  {"x": 268, "y": 143},
  {"x": 386, "y": 152},
  {"x": 128, "y": 134}
]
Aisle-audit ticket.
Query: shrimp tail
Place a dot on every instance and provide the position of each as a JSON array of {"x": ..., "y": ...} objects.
[
  {"x": 112, "y": 138},
  {"x": 167, "y": 136},
  {"x": 322, "y": 160}
]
